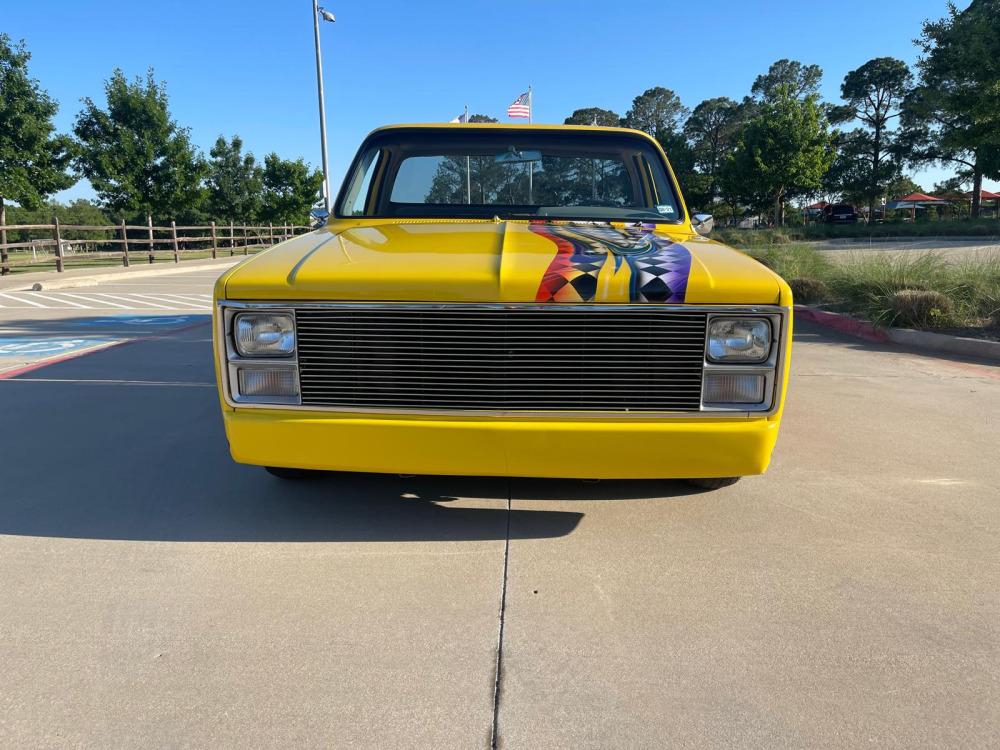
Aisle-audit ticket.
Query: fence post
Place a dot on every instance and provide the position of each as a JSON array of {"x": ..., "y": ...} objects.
[
  {"x": 270, "y": 233},
  {"x": 173, "y": 236},
  {"x": 4, "y": 270},
  {"x": 215, "y": 243},
  {"x": 58, "y": 239},
  {"x": 149, "y": 223},
  {"x": 124, "y": 245},
  {"x": 246, "y": 241},
  {"x": 232, "y": 240}
]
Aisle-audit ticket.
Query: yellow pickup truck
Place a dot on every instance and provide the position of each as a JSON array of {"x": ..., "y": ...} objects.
[{"x": 509, "y": 301}]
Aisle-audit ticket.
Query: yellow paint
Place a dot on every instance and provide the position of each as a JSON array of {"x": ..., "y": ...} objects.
[{"x": 459, "y": 260}]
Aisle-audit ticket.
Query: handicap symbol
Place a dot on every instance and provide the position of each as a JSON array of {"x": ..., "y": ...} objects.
[
  {"x": 35, "y": 348},
  {"x": 130, "y": 320}
]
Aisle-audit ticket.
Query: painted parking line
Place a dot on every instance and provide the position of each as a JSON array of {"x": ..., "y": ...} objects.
[
  {"x": 136, "y": 302},
  {"x": 55, "y": 298},
  {"x": 102, "y": 302},
  {"x": 26, "y": 301}
]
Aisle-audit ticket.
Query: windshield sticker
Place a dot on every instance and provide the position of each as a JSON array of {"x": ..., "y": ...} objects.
[
  {"x": 612, "y": 264},
  {"x": 666, "y": 210}
]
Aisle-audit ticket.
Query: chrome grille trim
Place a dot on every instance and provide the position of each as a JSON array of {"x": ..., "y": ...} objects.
[
  {"x": 779, "y": 315},
  {"x": 508, "y": 359}
]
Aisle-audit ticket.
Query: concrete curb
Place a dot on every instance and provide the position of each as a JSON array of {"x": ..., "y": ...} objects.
[
  {"x": 53, "y": 280},
  {"x": 922, "y": 340}
]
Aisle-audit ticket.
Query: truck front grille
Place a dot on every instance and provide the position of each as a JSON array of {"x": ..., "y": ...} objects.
[{"x": 520, "y": 359}]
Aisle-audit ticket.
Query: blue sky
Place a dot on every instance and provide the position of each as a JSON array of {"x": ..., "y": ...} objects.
[{"x": 248, "y": 67}]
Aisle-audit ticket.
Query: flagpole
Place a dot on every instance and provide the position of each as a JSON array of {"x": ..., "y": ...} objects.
[
  {"x": 468, "y": 172},
  {"x": 531, "y": 166}
]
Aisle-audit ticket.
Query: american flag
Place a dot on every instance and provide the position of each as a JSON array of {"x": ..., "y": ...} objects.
[{"x": 521, "y": 106}]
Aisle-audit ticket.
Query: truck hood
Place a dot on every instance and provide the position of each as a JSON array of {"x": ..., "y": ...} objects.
[{"x": 503, "y": 261}]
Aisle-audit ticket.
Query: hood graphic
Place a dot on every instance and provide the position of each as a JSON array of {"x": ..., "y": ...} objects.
[
  {"x": 516, "y": 262},
  {"x": 612, "y": 263}
]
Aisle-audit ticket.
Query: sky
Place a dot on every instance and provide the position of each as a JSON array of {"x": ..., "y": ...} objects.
[{"x": 248, "y": 68}]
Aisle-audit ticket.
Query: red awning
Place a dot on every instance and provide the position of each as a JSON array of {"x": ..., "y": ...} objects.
[
  {"x": 921, "y": 198},
  {"x": 986, "y": 195},
  {"x": 821, "y": 204}
]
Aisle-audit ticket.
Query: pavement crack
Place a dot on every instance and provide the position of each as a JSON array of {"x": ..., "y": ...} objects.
[{"x": 498, "y": 667}]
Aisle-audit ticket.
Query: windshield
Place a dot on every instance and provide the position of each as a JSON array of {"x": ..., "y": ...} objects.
[{"x": 490, "y": 172}]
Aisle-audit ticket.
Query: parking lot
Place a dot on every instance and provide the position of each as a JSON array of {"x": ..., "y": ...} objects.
[{"x": 154, "y": 593}]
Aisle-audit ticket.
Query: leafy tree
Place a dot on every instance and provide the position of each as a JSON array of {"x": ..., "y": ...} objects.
[
  {"x": 235, "y": 182},
  {"x": 953, "y": 115},
  {"x": 657, "y": 111},
  {"x": 787, "y": 78},
  {"x": 482, "y": 118},
  {"x": 784, "y": 150},
  {"x": 712, "y": 130},
  {"x": 594, "y": 116},
  {"x": 135, "y": 155},
  {"x": 874, "y": 94},
  {"x": 901, "y": 186},
  {"x": 291, "y": 188},
  {"x": 33, "y": 159}
]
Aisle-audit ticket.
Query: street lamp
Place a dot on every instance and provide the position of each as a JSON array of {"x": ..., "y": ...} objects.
[{"x": 326, "y": 15}]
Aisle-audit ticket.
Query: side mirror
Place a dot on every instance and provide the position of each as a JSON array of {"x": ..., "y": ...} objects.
[
  {"x": 321, "y": 215},
  {"x": 703, "y": 223}
]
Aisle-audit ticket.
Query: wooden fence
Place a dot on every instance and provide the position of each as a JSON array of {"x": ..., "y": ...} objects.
[{"x": 44, "y": 246}]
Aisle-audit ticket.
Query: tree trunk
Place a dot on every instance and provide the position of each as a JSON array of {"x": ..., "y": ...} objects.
[
  {"x": 3, "y": 238},
  {"x": 977, "y": 190},
  {"x": 876, "y": 159},
  {"x": 777, "y": 210}
]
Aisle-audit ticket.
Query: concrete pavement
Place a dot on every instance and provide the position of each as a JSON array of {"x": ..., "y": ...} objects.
[{"x": 154, "y": 593}]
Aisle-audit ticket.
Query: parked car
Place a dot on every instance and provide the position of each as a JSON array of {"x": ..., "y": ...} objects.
[
  {"x": 840, "y": 213},
  {"x": 505, "y": 300}
]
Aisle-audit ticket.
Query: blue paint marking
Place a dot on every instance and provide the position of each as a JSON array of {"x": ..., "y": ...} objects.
[
  {"x": 25, "y": 346},
  {"x": 142, "y": 321}
]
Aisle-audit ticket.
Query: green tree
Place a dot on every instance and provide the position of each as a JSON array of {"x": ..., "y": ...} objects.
[
  {"x": 953, "y": 114},
  {"x": 874, "y": 95},
  {"x": 657, "y": 111},
  {"x": 291, "y": 189},
  {"x": 594, "y": 116},
  {"x": 784, "y": 150},
  {"x": 138, "y": 158},
  {"x": 787, "y": 78},
  {"x": 712, "y": 130},
  {"x": 235, "y": 182},
  {"x": 33, "y": 159}
]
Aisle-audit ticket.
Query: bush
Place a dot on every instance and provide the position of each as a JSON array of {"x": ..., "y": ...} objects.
[
  {"x": 794, "y": 261},
  {"x": 919, "y": 308},
  {"x": 809, "y": 291}
]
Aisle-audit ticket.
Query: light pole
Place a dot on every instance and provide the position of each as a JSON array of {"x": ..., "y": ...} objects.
[{"x": 326, "y": 15}]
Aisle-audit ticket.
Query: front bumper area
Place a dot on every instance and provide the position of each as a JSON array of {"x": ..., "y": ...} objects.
[{"x": 519, "y": 447}]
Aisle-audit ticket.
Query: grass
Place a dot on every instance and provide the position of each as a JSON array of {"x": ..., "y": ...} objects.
[
  {"x": 787, "y": 235},
  {"x": 923, "y": 290}
]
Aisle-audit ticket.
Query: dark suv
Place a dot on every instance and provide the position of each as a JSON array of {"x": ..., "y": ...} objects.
[{"x": 840, "y": 213}]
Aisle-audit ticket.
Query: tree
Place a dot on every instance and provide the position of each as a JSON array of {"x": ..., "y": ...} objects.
[
  {"x": 712, "y": 130},
  {"x": 33, "y": 159},
  {"x": 135, "y": 155},
  {"x": 784, "y": 150},
  {"x": 787, "y": 78},
  {"x": 291, "y": 188},
  {"x": 953, "y": 115},
  {"x": 235, "y": 182},
  {"x": 874, "y": 94},
  {"x": 657, "y": 111},
  {"x": 594, "y": 116}
]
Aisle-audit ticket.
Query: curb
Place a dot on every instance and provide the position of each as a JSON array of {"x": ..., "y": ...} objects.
[
  {"x": 52, "y": 280},
  {"x": 920, "y": 340}
]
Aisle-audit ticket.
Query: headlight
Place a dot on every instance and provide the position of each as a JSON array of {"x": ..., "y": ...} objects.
[
  {"x": 739, "y": 340},
  {"x": 262, "y": 334}
]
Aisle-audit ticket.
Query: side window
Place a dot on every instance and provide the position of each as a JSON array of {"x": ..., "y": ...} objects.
[{"x": 357, "y": 195}]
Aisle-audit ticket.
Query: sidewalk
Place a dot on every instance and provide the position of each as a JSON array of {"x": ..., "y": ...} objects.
[{"x": 89, "y": 276}]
